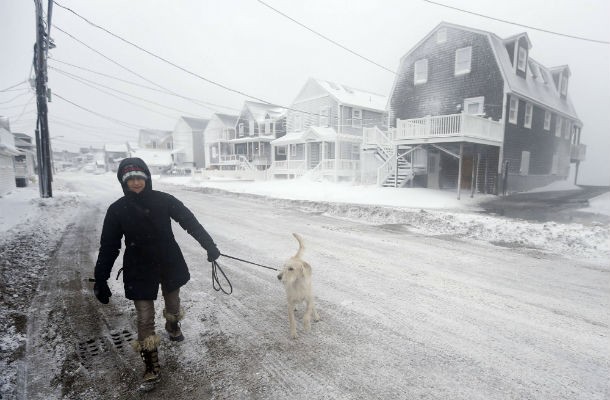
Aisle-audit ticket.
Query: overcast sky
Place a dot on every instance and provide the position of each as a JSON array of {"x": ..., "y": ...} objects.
[{"x": 246, "y": 46}]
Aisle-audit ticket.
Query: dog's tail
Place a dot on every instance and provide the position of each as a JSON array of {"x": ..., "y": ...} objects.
[{"x": 301, "y": 245}]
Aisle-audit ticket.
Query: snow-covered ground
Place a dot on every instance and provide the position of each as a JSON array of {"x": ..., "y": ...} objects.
[{"x": 412, "y": 306}]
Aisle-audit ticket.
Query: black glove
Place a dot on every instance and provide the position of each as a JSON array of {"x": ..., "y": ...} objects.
[
  {"x": 102, "y": 291},
  {"x": 213, "y": 252}
]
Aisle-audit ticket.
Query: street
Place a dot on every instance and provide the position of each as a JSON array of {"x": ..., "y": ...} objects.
[{"x": 403, "y": 315}]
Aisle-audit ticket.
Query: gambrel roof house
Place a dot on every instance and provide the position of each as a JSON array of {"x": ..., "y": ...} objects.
[{"x": 472, "y": 110}]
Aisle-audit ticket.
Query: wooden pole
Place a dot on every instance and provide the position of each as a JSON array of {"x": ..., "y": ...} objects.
[{"x": 459, "y": 182}]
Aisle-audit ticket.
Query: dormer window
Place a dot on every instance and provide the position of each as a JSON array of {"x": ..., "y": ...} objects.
[
  {"x": 441, "y": 35},
  {"x": 563, "y": 85},
  {"x": 521, "y": 59}
]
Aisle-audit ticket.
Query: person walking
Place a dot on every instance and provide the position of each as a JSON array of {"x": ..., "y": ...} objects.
[{"x": 152, "y": 256}]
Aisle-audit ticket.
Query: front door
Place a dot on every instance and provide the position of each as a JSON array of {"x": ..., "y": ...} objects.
[{"x": 314, "y": 155}]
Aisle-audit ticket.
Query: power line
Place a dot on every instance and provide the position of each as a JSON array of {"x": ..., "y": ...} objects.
[
  {"x": 66, "y": 120},
  {"x": 518, "y": 24},
  {"x": 161, "y": 58},
  {"x": 117, "y": 121},
  {"x": 120, "y": 65},
  {"x": 196, "y": 101},
  {"x": 16, "y": 97},
  {"x": 93, "y": 85},
  {"x": 13, "y": 86},
  {"x": 326, "y": 38}
]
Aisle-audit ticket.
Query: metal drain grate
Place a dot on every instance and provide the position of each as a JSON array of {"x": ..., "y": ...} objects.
[{"x": 94, "y": 347}]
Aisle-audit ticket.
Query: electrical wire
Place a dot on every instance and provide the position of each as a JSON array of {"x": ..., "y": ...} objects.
[
  {"x": 93, "y": 85},
  {"x": 327, "y": 38},
  {"x": 117, "y": 121},
  {"x": 16, "y": 97},
  {"x": 196, "y": 101},
  {"x": 120, "y": 65},
  {"x": 13, "y": 86},
  {"x": 518, "y": 24},
  {"x": 168, "y": 62}
]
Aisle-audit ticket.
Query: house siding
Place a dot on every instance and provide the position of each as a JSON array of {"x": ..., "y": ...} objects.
[
  {"x": 444, "y": 93},
  {"x": 310, "y": 113}
]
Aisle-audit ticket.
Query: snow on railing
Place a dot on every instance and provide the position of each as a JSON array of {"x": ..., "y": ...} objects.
[
  {"x": 386, "y": 169},
  {"x": 448, "y": 125}
]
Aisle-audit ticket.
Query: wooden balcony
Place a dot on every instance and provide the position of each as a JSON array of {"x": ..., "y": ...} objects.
[{"x": 449, "y": 128}]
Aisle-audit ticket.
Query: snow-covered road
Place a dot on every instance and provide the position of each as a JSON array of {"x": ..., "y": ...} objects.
[{"x": 405, "y": 312}]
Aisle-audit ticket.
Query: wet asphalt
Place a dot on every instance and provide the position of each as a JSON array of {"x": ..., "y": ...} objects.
[{"x": 565, "y": 206}]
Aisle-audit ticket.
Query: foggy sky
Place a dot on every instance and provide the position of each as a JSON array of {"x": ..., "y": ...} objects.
[{"x": 244, "y": 45}]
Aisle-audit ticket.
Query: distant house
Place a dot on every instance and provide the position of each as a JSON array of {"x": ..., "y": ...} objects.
[
  {"x": 7, "y": 152},
  {"x": 159, "y": 161},
  {"x": 188, "y": 142},
  {"x": 154, "y": 139},
  {"x": 325, "y": 123},
  {"x": 25, "y": 163},
  {"x": 470, "y": 110},
  {"x": 257, "y": 125},
  {"x": 114, "y": 154},
  {"x": 218, "y": 148}
]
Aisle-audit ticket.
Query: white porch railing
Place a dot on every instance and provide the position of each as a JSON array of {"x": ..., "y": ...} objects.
[
  {"x": 449, "y": 125},
  {"x": 288, "y": 167},
  {"x": 375, "y": 137},
  {"x": 230, "y": 159}
]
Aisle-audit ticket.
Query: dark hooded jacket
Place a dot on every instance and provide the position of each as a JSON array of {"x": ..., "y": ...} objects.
[{"x": 152, "y": 255}]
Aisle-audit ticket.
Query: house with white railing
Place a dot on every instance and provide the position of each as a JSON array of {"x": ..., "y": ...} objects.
[
  {"x": 324, "y": 131},
  {"x": 257, "y": 125},
  {"x": 470, "y": 110}
]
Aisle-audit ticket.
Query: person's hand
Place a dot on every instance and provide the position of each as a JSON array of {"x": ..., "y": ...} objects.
[
  {"x": 102, "y": 291},
  {"x": 213, "y": 253}
]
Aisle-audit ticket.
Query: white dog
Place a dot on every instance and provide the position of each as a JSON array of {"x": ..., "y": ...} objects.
[{"x": 296, "y": 277}]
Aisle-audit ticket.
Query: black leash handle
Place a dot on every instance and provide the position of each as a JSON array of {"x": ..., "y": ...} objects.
[
  {"x": 216, "y": 282},
  {"x": 248, "y": 262}
]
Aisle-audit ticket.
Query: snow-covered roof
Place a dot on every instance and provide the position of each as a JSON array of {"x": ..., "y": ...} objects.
[
  {"x": 153, "y": 134},
  {"x": 354, "y": 97},
  {"x": 196, "y": 124},
  {"x": 260, "y": 110},
  {"x": 314, "y": 134},
  {"x": 154, "y": 157},
  {"x": 116, "y": 148},
  {"x": 228, "y": 120}
]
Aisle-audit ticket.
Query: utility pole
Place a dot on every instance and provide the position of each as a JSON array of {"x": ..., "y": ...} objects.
[{"x": 45, "y": 173}]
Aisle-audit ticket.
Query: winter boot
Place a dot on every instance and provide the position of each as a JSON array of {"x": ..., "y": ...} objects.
[
  {"x": 172, "y": 325},
  {"x": 148, "y": 351}
]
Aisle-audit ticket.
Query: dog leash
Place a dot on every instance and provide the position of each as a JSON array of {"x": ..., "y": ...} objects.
[
  {"x": 248, "y": 262},
  {"x": 216, "y": 267},
  {"x": 216, "y": 282}
]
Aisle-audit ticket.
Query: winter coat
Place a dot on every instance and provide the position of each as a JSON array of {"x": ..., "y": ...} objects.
[{"x": 152, "y": 255}]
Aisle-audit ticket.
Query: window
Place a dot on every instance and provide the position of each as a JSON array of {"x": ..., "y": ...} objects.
[
  {"x": 524, "y": 169},
  {"x": 324, "y": 112},
  {"x": 214, "y": 152},
  {"x": 513, "y": 110},
  {"x": 547, "y": 121},
  {"x": 558, "y": 127},
  {"x": 441, "y": 35},
  {"x": 240, "y": 129},
  {"x": 563, "y": 85},
  {"x": 529, "y": 109},
  {"x": 521, "y": 59},
  {"x": 421, "y": 71},
  {"x": 298, "y": 122},
  {"x": 293, "y": 150},
  {"x": 268, "y": 126},
  {"x": 474, "y": 105},
  {"x": 251, "y": 128},
  {"x": 356, "y": 118},
  {"x": 281, "y": 150},
  {"x": 462, "y": 60},
  {"x": 567, "y": 128}
]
